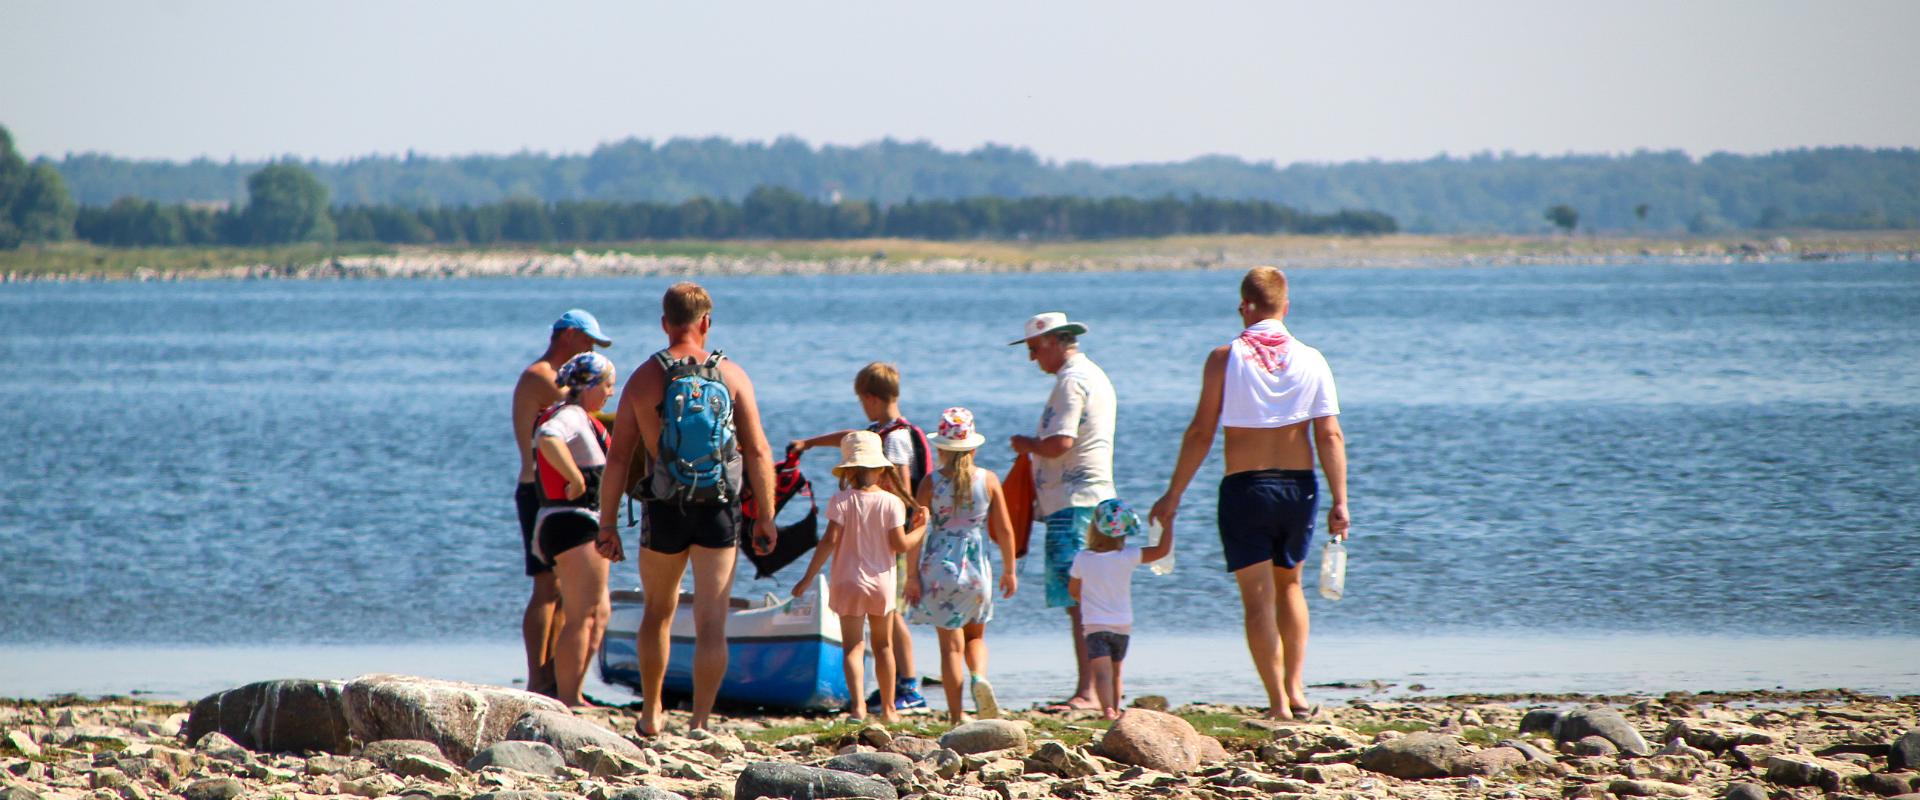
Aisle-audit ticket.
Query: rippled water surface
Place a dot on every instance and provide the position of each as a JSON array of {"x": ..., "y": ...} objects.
[{"x": 1728, "y": 450}]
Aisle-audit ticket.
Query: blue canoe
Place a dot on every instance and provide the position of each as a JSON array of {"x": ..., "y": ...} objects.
[{"x": 781, "y": 653}]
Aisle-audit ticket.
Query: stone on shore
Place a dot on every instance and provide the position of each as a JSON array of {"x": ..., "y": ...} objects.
[
  {"x": 1802, "y": 770},
  {"x": 912, "y": 747},
  {"x": 214, "y": 789},
  {"x": 890, "y": 766},
  {"x": 985, "y": 735},
  {"x": 1057, "y": 759},
  {"x": 385, "y": 751},
  {"x": 1526, "y": 748},
  {"x": 461, "y": 718},
  {"x": 534, "y": 758},
  {"x": 285, "y": 716},
  {"x": 1904, "y": 752},
  {"x": 1540, "y": 720},
  {"x": 1745, "y": 791},
  {"x": 568, "y": 734},
  {"x": 1604, "y": 722},
  {"x": 1591, "y": 747},
  {"x": 1491, "y": 761},
  {"x": 219, "y": 746},
  {"x": 1158, "y": 740},
  {"x": 1884, "y": 784},
  {"x": 645, "y": 793},
  {"x": 775, "y": 779},
  {"x": 1415, "y": 756},
  {"x": 1714, "y": 735}
]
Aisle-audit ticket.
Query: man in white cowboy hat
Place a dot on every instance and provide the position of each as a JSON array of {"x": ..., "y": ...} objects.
[
  {"x": 1275, "y": 397},
  {"x": 1072, "y": 463}
]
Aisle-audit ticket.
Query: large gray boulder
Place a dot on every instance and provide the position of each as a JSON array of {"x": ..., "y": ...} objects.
[
  {"x": 1603, "y": 722},
  {"x": 1904, "y": 752},
  {"x": 459, "y": 717},
  {"x": 890, "y": 766},
  {"x": 1415, "y": 756},
  {"x": 533, "y": 758},
  {"x": 1158, "y": 740},
  {"x": 774, "y": 779},
  {"x": 985, "y": 735},
  {"x": 568, "y": 734},
  {"x": 285, "y": 716}
]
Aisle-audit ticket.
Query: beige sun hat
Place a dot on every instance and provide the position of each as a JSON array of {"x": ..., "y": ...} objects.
[
  {"x": 861, "y": 449},
  {"x": 1048, "y": 322}
]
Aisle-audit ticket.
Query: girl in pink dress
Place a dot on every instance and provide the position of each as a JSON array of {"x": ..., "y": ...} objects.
[{"x": 867, "y": 525}]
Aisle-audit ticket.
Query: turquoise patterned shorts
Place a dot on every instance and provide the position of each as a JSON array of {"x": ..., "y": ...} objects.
[{"x": 1066, "y": 535}]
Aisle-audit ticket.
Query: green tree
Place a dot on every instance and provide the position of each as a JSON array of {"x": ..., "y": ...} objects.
[
  {"x": 1564, "y": 217},
  {"x": 286, "y": 204},
  {"x": 34, "y": 205}
]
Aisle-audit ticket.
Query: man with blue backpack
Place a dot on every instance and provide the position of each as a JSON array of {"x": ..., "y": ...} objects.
[{"x": 688, "y": 421}]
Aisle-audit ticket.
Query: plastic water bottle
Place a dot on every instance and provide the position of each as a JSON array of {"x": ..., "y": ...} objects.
[
  {"x": 1165, "y": 565},
  {"x": 1333, "y": 570}
]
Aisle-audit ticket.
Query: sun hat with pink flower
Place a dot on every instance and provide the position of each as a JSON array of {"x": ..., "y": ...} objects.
[{"x": 956, "y": 431}]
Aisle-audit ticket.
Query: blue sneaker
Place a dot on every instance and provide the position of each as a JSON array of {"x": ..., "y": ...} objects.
[{"x": 906, "y": 696}]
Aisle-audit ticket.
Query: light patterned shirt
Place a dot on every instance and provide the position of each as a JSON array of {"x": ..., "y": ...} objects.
[{"x": 1082, "y": 406}]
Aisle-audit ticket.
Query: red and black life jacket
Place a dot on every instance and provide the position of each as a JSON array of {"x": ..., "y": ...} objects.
[
  {"x": 922, "y": 465},
  {"x": 553, "y": 485}
]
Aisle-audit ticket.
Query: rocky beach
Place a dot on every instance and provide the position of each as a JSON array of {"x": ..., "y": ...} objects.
[
  {"x": 410, "y": 738},
  {"x": 913, "y": 257}
]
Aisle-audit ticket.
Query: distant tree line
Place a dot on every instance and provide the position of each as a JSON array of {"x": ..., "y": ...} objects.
[
  {"x": 1642, "y": 192},
  {"x": 282, "y": 207}
]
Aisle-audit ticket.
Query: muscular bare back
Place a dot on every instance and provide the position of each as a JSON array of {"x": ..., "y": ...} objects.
[{"x": 532, "y": 393}]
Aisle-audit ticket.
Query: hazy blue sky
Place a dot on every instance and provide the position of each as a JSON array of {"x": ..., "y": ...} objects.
[{"x": 1110, "y": 82}]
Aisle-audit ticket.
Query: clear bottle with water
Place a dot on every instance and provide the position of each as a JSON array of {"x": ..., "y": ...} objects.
[
  {"x": 1165, "y": 565},
  {"x": 1333, "y": 570}
]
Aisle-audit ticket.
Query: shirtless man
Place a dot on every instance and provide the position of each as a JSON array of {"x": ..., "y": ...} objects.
[
  {"x": 575, "y": 332},
  {"x": 1275, "y": 397},
  {"x": 674, "y": 533}
]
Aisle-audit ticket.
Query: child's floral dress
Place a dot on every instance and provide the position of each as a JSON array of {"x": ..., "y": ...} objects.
[{"x": 956, "y": 578}]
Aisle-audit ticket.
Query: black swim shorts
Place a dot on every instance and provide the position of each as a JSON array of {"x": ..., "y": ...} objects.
[
  {"x": 1107, "y": 644},
  {"x": 1267, "y": 515},
  {"x": 561, "y": 531},
  {"x": 669, "y": 527},
  {"x": 526, "y": 500}
]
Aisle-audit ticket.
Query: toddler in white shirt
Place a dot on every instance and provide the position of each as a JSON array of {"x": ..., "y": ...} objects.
[{"x": 1101, "y": 579}]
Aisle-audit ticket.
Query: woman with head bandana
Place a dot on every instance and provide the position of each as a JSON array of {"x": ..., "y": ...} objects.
[{"x": 570, "y": 450}]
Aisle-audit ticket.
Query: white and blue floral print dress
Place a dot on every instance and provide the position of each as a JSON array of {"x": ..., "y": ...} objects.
[{"x": 956, "y": 578}]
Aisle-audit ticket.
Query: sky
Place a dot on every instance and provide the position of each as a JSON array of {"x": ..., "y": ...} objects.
[{"x": 1110, "y": 82}]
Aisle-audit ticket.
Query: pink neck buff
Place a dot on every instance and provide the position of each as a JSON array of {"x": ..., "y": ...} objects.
[{"x": 1267, "y": 340}]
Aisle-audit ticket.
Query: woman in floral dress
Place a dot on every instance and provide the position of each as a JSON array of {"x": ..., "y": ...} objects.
[{"x": 948, "y": 577}]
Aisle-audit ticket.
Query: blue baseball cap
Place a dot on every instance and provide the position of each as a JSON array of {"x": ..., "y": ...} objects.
[{"x": 578, "y": 318}]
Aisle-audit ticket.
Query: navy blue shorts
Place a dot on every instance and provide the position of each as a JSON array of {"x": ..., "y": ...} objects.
[
  {"x": 1267, "y": 515},
  {"x": 526, "y": 502}
]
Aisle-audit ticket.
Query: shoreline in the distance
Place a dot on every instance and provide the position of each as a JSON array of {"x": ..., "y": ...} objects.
[{"x": 72, "y": 262}]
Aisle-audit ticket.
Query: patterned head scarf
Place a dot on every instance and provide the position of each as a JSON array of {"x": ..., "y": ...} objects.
[
  {"x": 583, "y": 372},
  {"x": 1114, "y": 518}
]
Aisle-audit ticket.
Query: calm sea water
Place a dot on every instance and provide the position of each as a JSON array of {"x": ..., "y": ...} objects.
[{"x": 1677, "y": 451}]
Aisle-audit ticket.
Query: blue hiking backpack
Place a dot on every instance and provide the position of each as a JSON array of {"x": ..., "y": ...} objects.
[{"x": 697, "y": 460}]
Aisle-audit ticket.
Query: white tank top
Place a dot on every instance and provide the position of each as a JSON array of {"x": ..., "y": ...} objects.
[{"x": 1273, "y": 380}]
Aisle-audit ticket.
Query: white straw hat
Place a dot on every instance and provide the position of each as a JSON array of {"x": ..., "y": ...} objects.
[
  {"x": 861, "y": 449},
  {"x": 1048, "y": 323}
]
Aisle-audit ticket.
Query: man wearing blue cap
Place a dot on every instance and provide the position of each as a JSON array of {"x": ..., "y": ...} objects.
[{"x": 575, "y": 332}]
